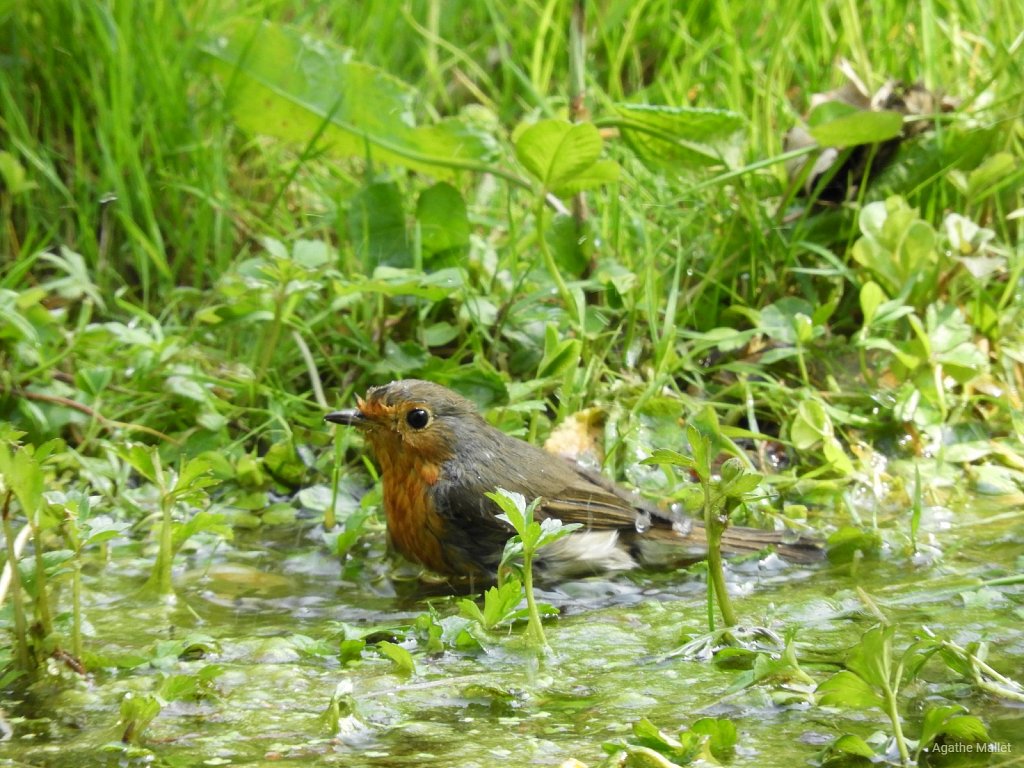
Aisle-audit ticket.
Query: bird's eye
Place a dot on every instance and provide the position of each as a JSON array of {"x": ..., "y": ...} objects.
[{"x": 417, "y": 418}]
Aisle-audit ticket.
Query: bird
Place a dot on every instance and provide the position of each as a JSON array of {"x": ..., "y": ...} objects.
[{"x": 438, "y": 457}]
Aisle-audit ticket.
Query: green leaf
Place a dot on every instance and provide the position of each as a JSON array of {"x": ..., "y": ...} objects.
[
  {"x": 286, "y": 83},
  {"x": 810, "y": 425},
  {"x": 850, "y": 744},
  {"x": 736, "y": 480},
  {"x": 401, "y": 658},
  {"x": 559, "y": 354},
  {"x": 513, "y": 505},
  {"x": 829, "y": 111},
  {"x": 551, "y": 530},
  {"x": 377, "y": 226},
  {"x": 203, "y": 521},
  {"x": 562, "y": 156},
  {"x": 668, "y": 456},
  {"x": 195, "y": 474},
  {"x": 965, "y": 728},
  {"x": 444, "y": 223},
  {"x": 871, "y": 298},
  {"x": 845, "y": 689},
  {"x": 600, "y": 173},
  {"x": 12, "y": 173},
  {"x": 563, "y": 238},
  {"x": 501, "y": 602},
  {"x": 351, "y": 649},
  {"x": 721, "y": 735},
  {"x": 861, "y": 127},
  {"x": 22, "y": 474},
  {"x": 676, "y": 751},
  {"x": 987, "y": 178},
  {"x": 681, "y": 138},
  {"x": 142, "y": 459},
  {"x": 871, "y": 658}
]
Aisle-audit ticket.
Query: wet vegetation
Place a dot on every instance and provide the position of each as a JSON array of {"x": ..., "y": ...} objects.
[{"x": 220, "y": 221}]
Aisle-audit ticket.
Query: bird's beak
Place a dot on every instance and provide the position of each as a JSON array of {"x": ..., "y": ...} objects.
[{"x": 350, "y": 418}]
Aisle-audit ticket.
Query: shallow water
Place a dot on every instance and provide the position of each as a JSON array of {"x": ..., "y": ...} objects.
[{"x": 269, "y": 610}]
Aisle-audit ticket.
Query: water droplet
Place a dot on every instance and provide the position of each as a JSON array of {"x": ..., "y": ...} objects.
[
  {"x": 789, "y": 536},
  {"x": 643, "y": 521},
  {"x": 682, "y": 526}
]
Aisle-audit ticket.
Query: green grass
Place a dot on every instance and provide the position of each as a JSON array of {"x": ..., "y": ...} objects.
[
  {"x": 138, "y": 165},
  {"x": 176, "y": 274}
]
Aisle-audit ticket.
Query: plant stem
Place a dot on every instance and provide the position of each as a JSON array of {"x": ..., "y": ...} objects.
[
  {"x": 535, "y": 629},
  {"x": 42, "y": 602},
  {"x": 163, "y": 565},
  {"x": 716, "y": 570},
  {"x": 577, "y": 97},
  {"x": 892, "y": 710},
  {"x": 22, "y": 654},
  {"x": 271, "y": 338},
  {"x": 549, "y": 261},
  {"x": 161, "y": 577}
]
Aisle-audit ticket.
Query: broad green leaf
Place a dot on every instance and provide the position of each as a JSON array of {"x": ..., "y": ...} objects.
[
  {"x": 861, "y": 127},
  {"x": 667, "y": 456},
  {"x": 830, "y": 111},
  {"x": 195, "y": 474},
  {"x": 563, "y": 156},
  {"x": 500, "y": 602},
  {"x": 22, "y": 474},
  {"x": 285, "y": 83},
  {"x": 934, "y": 720},
  {"x": 312, "y": 254},
  {"x": 377, "y": 226},
  {"x": 681, "y": 138},
  {"x": 671, "y": 751},
  {"x": 721, "y": 735},
  {"x": 201, "y": 522},
  {"x": 851, "y": 744},
  {"x": 401, "y": 658},
  {"x": 845, "y": 689},
  {"x": 810, "y": 425},
  {"x": 15, "y": 324},
  {"x": 142, "y": 459},
  {"x": 834, "y": 455},
  {"x": 552, "y": 529},
  {"x": 513, "y": 505},
  {"x": 563, "y": 238},
  {"x": 871, "y": 298},
  {"x": 559, "y": 354},
  {"x": 443, "y": 221},
  {"x": 137, "y": 712},
  {"x": 871, "y": 658},
  {"x": 987, "y": 177},
  {"x": 102, "y": 528},
  {"x": 965, "y": 728},
  {"x": 12, "y": 172},
  {"x": 600, "y": 173}
]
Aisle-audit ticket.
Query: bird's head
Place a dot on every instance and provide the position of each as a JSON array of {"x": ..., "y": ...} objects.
[{"x": 410, "y": 418}]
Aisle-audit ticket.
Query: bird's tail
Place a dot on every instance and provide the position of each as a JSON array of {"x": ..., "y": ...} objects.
[{"x": 686, "y": 544}]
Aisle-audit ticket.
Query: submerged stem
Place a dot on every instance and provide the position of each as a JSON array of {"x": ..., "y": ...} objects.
[
  {"x": 716, "y": 569},
  {"x": 534, "y": 627}
]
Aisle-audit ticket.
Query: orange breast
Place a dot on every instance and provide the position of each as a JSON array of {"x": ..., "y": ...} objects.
[{"x": 416, "y": 529}]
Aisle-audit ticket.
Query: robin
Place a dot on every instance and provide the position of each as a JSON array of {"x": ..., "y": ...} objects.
[{"x": 438, "y": 457}]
